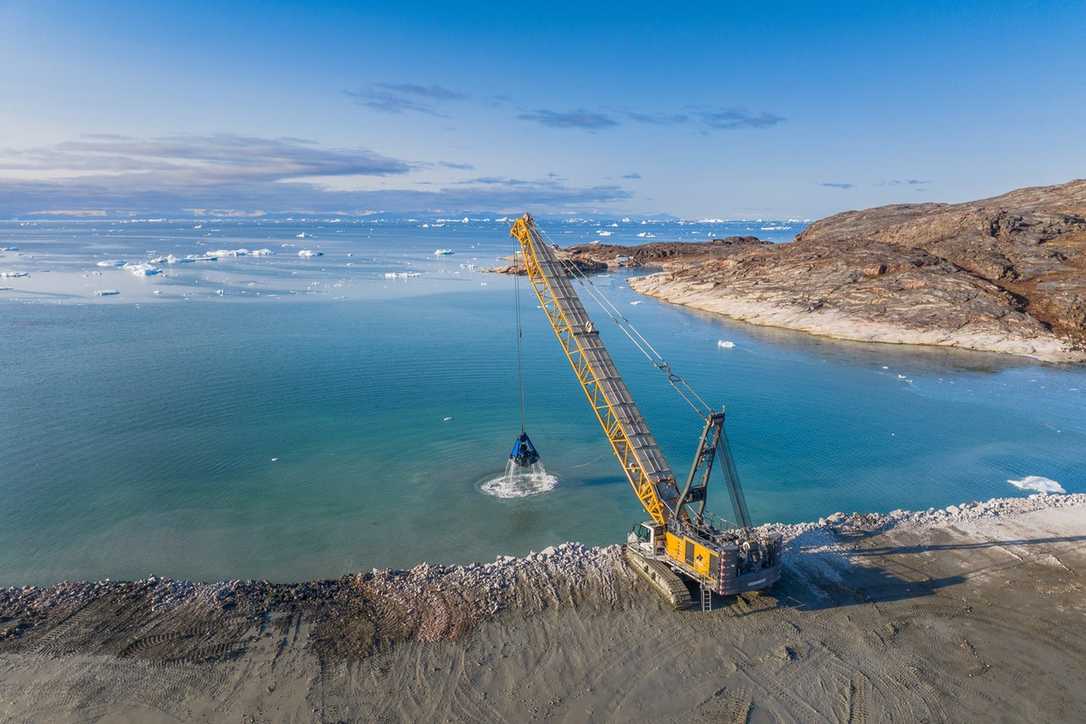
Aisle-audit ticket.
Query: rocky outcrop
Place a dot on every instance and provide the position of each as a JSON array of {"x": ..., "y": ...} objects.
[
  {"x": 597, "y": 258},
  {"x": 1006, "y": 274},
  {"x": 583, "y": 264},
  {"x": 663, "y": 253}
]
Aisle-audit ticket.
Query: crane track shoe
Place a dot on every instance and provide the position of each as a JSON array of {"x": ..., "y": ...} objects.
[{"x": 658, "y": 575}]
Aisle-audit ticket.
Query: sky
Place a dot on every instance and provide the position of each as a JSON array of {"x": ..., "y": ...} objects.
[{"x": 714, "y": 110}]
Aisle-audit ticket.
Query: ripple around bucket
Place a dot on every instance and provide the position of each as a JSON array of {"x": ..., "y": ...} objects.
[{"x": 520, "y": 482}]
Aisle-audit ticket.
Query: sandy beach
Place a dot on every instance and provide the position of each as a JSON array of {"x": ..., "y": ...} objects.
[{"x": 975, "y": 612}]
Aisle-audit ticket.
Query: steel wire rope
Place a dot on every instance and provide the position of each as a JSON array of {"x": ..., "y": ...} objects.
[{"x": 677, "y": 382}]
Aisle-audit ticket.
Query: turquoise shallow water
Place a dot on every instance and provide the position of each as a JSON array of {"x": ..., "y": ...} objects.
[{"x": 139, "y": 437}]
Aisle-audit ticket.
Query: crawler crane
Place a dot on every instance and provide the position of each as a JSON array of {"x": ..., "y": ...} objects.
[{"x": 679, "y": 537}]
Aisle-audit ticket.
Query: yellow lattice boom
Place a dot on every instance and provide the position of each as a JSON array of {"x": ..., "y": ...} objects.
[{"x": 625, "y": 429}]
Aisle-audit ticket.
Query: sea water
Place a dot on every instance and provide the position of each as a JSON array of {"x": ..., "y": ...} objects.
[{"x": 318, "y": 418}]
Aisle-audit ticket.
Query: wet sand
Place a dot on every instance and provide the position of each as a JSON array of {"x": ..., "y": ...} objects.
[{"x": 968, "y": 615}]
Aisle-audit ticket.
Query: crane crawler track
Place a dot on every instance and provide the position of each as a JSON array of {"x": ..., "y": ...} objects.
[{"x": 660, "y": 576}]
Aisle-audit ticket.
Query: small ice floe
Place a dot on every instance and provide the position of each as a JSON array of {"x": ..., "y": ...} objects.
[
  {"x": 200, "y": 257},
  {"x": 229, "y": 252},
  {"x": 443, "y": 252},
  {"x": 9, "y": 248},
  {"x": 725, "y": 344},
  {"x": 198, "y": 226},
  {"x": 275, "y": 460},
  {"x": 1039, "y": 484},
  {"x": 646, "y": 235},
  {"x": 776, "y": 228},
  {"x": 635, "y": 302},
  {"x": 402, "y": 275},
  {"x": 156, "y": 292},
  {"x": 112, "y": 263},
  {"x": 220, "y": 292},
  {"x": 14, "y": 274},
  {"x": 447, "y": 418},
  {"x": 310, "y": 253},
  {"x": 885, "y": 367},
  {"x": 260, "y": 252},
  {"x": 106, "y": 293},
  {"x": 604, "y": 233},
  {"x": 303, "y": 235},
  {"x": 142, "y": 270}
]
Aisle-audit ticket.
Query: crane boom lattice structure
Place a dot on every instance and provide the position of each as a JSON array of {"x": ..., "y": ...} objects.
[
  {"x": 678, "y": 538},
  {"x": 625, "y": 429}
]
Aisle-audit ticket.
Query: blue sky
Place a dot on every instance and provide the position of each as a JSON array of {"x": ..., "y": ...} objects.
[{"x": 718, "y": 109}]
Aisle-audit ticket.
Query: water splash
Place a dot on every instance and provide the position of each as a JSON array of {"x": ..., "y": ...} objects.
[{"x": 520, "y": 482}]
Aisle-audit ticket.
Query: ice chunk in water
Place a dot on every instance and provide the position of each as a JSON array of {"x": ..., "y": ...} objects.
[
  {"x": 142, "y": 270},
  {"x": 1039, "y": 484},
  {"x": 725, "y": 344},
  {"x": 309, "y": 253}
]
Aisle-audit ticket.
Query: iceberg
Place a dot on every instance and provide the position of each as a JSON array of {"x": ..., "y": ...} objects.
[
  {"x": 112, "y": 263},
  {"x": 263, "y": 252},
  {"x": 725, "y": 344},
  {"x": 646, "y": 235},
  {"x": 303, "y": 235},
  {"x": 106, "y": 293},
  {"x": 309, "y": 253},
  {"x": 604, "y": 233},
  {"x": 14, "y": 275},
  {"x": 1040, "y": 484},
  {"x": 142, "y": 270},
  {"x": 443, "y": 252},
  {"x": 402, "y": 275}
]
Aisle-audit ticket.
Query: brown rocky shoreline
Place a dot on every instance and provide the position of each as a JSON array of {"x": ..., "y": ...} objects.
[{"x": 1005, "y": 274}]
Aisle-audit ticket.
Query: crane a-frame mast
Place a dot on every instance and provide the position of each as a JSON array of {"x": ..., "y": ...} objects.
[{"x": 641, "y": 459}]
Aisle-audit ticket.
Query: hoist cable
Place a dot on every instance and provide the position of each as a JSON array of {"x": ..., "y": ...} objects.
[{"x": 677, "y": 382}]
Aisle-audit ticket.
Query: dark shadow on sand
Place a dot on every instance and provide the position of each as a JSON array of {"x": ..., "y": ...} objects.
[{"x": 840, "y": 581}]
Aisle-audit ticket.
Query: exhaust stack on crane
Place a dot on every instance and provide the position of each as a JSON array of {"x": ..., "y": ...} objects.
[{"x": 678, "y": 538}]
